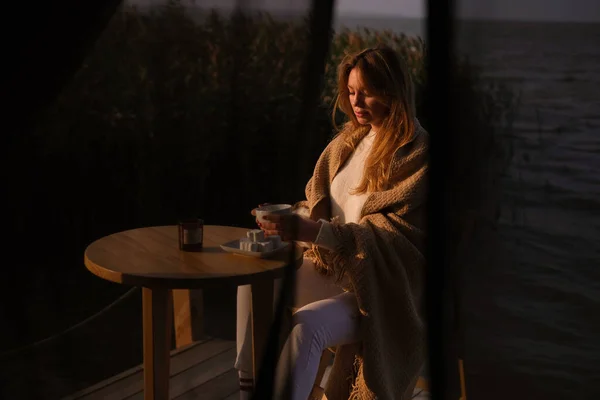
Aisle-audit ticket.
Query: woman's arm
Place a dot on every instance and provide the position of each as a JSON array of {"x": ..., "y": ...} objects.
[
  {"x": 387, "y": 234},
  {"x": 291, "y": 227},
  {"x": 326, "y": 238}
]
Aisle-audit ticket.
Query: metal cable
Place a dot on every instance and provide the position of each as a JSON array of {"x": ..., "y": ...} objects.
[{"x": 85, "y": 321}]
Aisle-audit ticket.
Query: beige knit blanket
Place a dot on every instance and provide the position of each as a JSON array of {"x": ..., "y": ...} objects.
[{"x": 382, "y": 257}]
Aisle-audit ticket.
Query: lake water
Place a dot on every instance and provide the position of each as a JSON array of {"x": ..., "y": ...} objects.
[
  {"x": 550, "y": 291},
  {"x": 532, "y": 306}
]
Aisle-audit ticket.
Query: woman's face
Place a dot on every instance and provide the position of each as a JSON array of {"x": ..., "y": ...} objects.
[{"x": 367, "y": 108}]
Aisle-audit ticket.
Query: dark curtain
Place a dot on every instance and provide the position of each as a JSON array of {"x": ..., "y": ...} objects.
[
  {"x": 45, "y": 43},
  {"x": 48, "y": 43}
]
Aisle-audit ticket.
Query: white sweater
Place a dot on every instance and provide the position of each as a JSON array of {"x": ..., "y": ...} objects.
[{"x": 344, "y": 205}]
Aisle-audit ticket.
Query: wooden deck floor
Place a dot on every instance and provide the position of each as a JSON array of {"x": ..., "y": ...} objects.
[{"x": 203, "y": 370}]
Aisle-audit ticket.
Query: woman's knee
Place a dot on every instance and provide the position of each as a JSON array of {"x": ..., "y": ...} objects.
[
  {"x": 329, "y": 322},
  {"x": 309, "y": 328}
]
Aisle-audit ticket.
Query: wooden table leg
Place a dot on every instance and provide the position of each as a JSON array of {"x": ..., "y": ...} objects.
[
  {"x": 157, "y": 306},
  {"x": 188, "y": 308},
  {"x": 262, "y": 316}
]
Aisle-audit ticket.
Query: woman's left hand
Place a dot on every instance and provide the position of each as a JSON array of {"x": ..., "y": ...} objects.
[{"x": 291, "y": 227}]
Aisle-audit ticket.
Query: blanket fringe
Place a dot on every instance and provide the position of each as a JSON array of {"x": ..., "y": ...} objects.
[
  {"x": 316, "y": 257},
  {"x": 360, "y": 390}
]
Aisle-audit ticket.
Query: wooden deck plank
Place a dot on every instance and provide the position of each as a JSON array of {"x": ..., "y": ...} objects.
[
  {"x": 139, "y": 368},
  {"x": 197, "y": 375},
  {"x": 131, "y": 381},
  {"x": 218, "y": 388},
  {"x": 135, "y": 383},
  {"x": 210, "y": 358},
  {"x": 233, "y": 396}
]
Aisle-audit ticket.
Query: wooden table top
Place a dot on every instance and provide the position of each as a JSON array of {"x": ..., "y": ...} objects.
[{"x": 150, "y": 257}]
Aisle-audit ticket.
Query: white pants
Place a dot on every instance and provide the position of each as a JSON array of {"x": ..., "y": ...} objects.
[{"x": 327, "y": 317}]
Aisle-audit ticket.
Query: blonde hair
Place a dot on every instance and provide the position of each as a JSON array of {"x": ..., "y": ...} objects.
[{"x": 386, "y": 77}]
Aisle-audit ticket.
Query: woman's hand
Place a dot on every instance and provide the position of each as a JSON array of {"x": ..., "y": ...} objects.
[
  {"x": 291, "y": 227},
  {"x": 253, "y": 212}
]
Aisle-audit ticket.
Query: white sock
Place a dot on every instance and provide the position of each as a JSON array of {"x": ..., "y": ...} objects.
[{"x": 246, "y": 385}]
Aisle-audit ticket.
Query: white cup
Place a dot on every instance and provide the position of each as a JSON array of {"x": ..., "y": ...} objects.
[{"x": 272, "y": 209}]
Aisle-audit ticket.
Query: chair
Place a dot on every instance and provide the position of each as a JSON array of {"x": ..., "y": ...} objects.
[{"x": 422, "y": 382}]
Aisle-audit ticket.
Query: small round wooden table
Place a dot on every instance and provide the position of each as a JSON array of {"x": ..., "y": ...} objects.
[{"x": 150, "y": 258}]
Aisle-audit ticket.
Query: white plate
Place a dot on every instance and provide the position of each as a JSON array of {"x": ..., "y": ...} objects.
[{"x": 234, "y": 247}]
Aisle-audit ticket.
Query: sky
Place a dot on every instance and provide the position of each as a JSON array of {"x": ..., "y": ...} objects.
[{"x": 548, "y": 10}]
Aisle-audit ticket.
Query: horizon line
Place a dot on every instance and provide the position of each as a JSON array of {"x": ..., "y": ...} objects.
[{"x": 354, "y": 15}]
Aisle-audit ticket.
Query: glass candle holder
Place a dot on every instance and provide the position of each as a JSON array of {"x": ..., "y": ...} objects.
[{"x": 191, "y": 234}]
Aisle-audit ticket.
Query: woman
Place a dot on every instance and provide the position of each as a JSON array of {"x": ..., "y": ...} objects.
[{"x": 361, "y": 284}]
